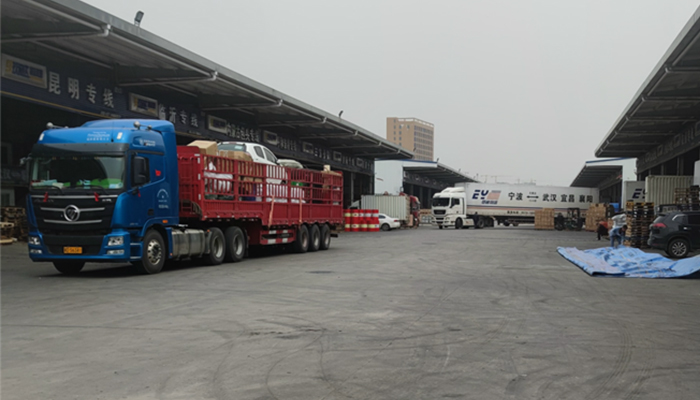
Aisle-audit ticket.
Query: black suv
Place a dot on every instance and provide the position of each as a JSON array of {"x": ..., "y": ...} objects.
[{"x": 678, "y": 233}]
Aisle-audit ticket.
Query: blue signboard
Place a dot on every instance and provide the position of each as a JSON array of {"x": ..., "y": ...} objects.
[{"x": 98, "y": 97}]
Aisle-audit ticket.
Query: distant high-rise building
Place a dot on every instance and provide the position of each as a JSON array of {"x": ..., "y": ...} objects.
[{"x": 412, "y": 134}]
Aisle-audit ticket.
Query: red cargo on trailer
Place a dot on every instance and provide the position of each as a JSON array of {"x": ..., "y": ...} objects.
[{"x": 269, "y": 204}]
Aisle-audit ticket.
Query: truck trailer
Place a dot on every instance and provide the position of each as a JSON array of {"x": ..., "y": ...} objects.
[
  {"x": 122, "y": 191},
  {"x": 484, "y": 205}
]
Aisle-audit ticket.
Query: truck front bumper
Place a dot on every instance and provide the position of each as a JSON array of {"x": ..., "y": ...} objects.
[
  {"x": 115, "y": 247},
  {"x": 450, "y": 221}
]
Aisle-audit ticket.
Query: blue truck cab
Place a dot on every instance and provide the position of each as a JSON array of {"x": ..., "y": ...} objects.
[{"x": 104, "y": 192}]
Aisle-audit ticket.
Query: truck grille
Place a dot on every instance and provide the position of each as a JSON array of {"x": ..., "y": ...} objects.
[
  {"x": 439, "y": 212},
  {"x": 74, "y": 214}
]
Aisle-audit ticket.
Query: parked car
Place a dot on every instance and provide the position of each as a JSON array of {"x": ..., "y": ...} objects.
[
  {"x": 276, "y": 177},
  {"x": 677, "y": 233},
  {"x": 387, "y": 223},
  {"x": 259, "y": 153}
]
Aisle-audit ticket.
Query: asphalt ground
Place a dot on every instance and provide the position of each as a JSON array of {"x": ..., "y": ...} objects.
[{"x": 412, "y": 314}]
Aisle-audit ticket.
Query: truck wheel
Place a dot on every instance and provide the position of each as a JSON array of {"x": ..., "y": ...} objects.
[
  {"x": 325, "y": 237},
  {"x": 217, "y": 247},
  {"x": 506, "y": 223},
  {"x": 480, "y": 223},
  {"x": 153, "y": 257},
  {"x": 235, "y": 244},
  {"x": 301, "y": 245},
  {"x": 678, "y": 248},
  {"x": 314, "y": 238},
  {"x": 458, "y": 223},
  {"x": 69, "y": 267},
  {"x": 516, "y": 223}
]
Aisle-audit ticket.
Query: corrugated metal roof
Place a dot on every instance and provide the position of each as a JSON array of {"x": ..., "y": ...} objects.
[
  {"x": 66, "y": 31},
  {"x": 667, "y": 102},
  {"x": 592, "y": 176},
  {"x": 437, "y": 171}
]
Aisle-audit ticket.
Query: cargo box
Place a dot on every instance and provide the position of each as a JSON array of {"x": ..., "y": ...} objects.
[{"x": 206, "y": 147}]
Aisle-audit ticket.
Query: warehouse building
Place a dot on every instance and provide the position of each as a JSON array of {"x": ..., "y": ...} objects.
[
  {"x": 67, "y": 62},
  {"x": 660, "y": 127},
  {"x": 608, "y": 176},
  {"x": 417, "y": 178}
]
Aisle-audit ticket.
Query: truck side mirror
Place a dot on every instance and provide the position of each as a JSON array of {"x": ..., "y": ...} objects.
[{"x": 139, "y": 170}]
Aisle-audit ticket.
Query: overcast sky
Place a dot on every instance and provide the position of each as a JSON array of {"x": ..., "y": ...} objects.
[{"x": 516, "y": 89}]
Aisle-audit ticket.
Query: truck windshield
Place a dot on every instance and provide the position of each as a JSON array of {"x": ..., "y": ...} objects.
[
  {"x": 441, "y": 202},
  {"x": 78, "y": 172}
]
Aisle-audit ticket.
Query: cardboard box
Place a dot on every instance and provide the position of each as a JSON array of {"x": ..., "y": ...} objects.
[
  {"x": 235, "y": 155},
  {"x": 206, "y": 147}
]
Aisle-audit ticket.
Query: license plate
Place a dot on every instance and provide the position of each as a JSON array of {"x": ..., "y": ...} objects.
[{"x": 72, "y": 250}]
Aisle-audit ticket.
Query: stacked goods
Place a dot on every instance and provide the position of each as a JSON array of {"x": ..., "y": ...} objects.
[
  {"x": 688, "y": 198},
  {"x": 374, "y": 221},
  {"x": 639, "y": 217},
  {"x": 235, "y": 155},
  {"x": 16, "y": 216},
  {"x": 544, "y": 218},
  {"x": 347, "y": 214},
  {"x": 6, "y": 229},
  {"x": 595, "y": 213},
  {"x": 206, "y": 147},
  {"x": 426, "y": 216},
  {"x": 361, "y": 220}
]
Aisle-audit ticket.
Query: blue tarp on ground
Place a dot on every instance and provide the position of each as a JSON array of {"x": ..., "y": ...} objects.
[{"x": 629, "y": 262}]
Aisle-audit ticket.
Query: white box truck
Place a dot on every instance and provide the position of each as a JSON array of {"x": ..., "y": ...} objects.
[
  {"x": 634, "y": 191},
  {"x": 484, "y": 205}
]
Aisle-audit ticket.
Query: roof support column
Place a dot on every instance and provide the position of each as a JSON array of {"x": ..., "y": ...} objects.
[{"x": 352, "y": 187}]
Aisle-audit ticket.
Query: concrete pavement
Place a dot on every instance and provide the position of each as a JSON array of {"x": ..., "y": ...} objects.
[{"x": 415, "y": 314}]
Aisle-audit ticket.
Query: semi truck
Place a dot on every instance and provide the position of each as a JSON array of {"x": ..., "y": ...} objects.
[
  {"x": 122, "y": 191},
  {"x": 484, "y": 205}
]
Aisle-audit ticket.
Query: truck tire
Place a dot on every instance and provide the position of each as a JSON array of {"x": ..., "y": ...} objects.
[
  {"x": 301, "y": 244},
  {"x": 67, "y": 267},
  {"x": 154, "y": 253},
  {"x": 459, "y": 223},
  {"x": 506, "y": 223},
  {"x": 516, "y": 223},
  {"x": 217, "y": 247},
  {"x": 479, "y": 223},
  {"x": 325, "y": 237},
  {"x": 314, "y": 238},
  {"x": 235, "y": 244}
]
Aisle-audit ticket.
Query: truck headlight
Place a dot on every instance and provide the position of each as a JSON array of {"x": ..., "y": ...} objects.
[
  {"x": 116, "y": 241},
  {"x": 34, "y": 240}
]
